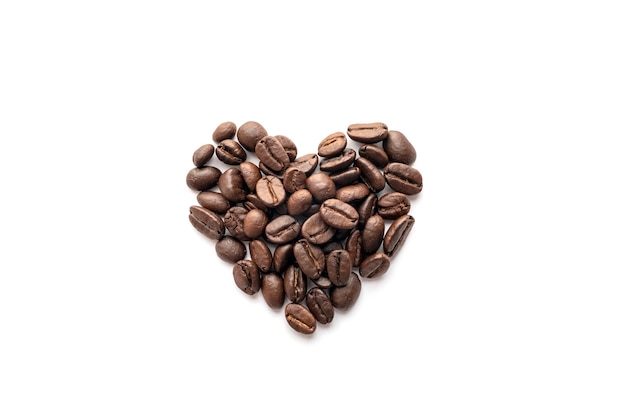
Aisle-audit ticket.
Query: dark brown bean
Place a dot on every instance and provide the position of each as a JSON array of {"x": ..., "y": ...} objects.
[
  {"x": 272, "y": 288},
  {"x": 213, "y": 201},
  {"x": 321, "y": 186},
  {"x": 201, "y": 179},
  {"x": 316, "y": 230},
  {"x": 375, "y": 154},
  {"x": 294, "y": 179},
  {"x": 331, "y": 246},
  {"x": 393, "y": 205},
  {"x": 232, "y": 186},
  {"x": 230, "y": 152},
  {"x": 354, "y": 246},
  {"x": 371, "y": 175},
  {"x": 339, "y": 267},
  {"x": 352, "y": 193},
  {"x": 295, "y": 284},
  {"x": 367, "y": 132},
  {"x": 203, "y": 155},
  {"x": 283, "y": 257},
  {"x": 261, "y": 255},
  {"x": 306, "y": 163},
  {"x": 398, "y": 148},
  {"x": 250, "y": 173},
  {"x": 338, "y": 214},
  {"x": 206, "y": 222},
  {"x": 345, "y": 177},
  {"x": 323, "y": 282},
  {"x": 270, "y": 172},
  {"x": 289, "y": 146},
  {"x": 403, "y": 178},
  {"x": 299, "y": 202},
  {"x": 367, "y": 208},
  {"x": 397, "y": 234},
  {"x": 372, "y": 234},
  {"x": 300, "y": 318},
  {"x": 345, "y": 297},
  {"x": 320, "y": 306},
  {"x": 225, "y": 130},
  {"x": 253, "y": 202},
  {"x": 233, "y": 220},
  {"x": 340, "y": 162},
  {"x": 272, "y": 154},
  {"x": 254, "y": 223},
  {"x": 247, "y": 276},
  {"x": 230, "y": 249},
  {"x": 310, "y": 258},
  {"x": 271, "y": 191},
  {"x": 283, "y": 229},
  {"x": 249, "y": 134},
  {"x": 332, "y": 145},
  {"x": 374, "y": 265}
]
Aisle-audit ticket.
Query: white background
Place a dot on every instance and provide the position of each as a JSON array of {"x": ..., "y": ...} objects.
[{"x": 508, "y": 299}]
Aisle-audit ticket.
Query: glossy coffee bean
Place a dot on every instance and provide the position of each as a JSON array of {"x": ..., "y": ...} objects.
[
  {"x": 321, "y": 186},
  {"x": 367, "y": 208},
  {"x": 339, "y": 162},
  {"x": 282, "y": 229},
  {"x": 354, "y": 246},
  {"x": 374, "y": 265},
  {"x": 332, "y": 145},
  {"x": 352, "y": 193},
  {"x": 261, "y": 255},
  {"x": 232, "y": 186},
  {"x": 213, "y": 201},
  {"x": 271, "y": 191},
  {"x": 367, "y": 132},
  {"x": 300, "y": 318},
  {"x": 250, "y": 173},
  {"x": 271, "y": 153},
  {"x": 225, "y": 130},
  {"x": 310, "y": 258},
  {"x": 393, "y": 205},
  {"x": 338, "y": 214},
  {"x": 306, "y": 163},
  {"x": 233, "y": 220},
  {"x": 272, "y": 288},
  {"x": 230, "y": 152},
  {"x": 270, "y": 172},
  {"x": 289, "y": 146},
  {"x": 294, "y": 180},
  {"x": 254, "y": 223},
  {"x": 206, "y": 222},
  {"x": 372, "y": 234},
  {"x": 346, "y": 176},
  {"x": 345, "y": 297},
  {"x": 398, "y": 148},
  {"x": 230, "y": 249},
  {"x": 371, "y": 175},
  {"x": 203, "y": 155},
  {"x": 201, "y": 179},
  {"x": 397, "y": 233},
  {"x": 403, "y": 178},
  {"x": 247, "y": 276},
  {"x": 249, "y": 134},
  {"x": 375, "y": 154},
  {"x": 316, "y": 231},
  {"x": 253, "y": 202},
  {"x": 283, "y": 257},
  {"x": 323, "y": 282},
  {"x": 295, "y": 284},
  {"x": 299, "y": 202},
  {"x": 320, "y": 306},
  {"x": 339, "y": 267}
]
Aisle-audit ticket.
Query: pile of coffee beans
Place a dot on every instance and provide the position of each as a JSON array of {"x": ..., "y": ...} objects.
[{"x": 309, "y": 221}]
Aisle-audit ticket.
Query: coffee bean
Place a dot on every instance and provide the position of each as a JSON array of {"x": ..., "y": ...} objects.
[
  {"x": 372, "y": 234},
  {"x": 247, "y": 276},
  {"x": 230, "y": 249},
  {"x": 294, "y": 179},
  {"x": 320, "y": 306},
  {"x": 352, "y": 193},
  {"x": 310, "y": 258},
  {"x": 233, "y": 220},
  {"x": 225, "y": 130},
  {"x": 271, "y": 191},
  {"x": 393, "y": 205},
  {"x": 374, "y": 154},
  {"x": 206, "y": 222},
  {"x": 261, "y": 255},
  {"x": 323, "y": 282},
  {"x": 397, "y": 234},
  {"x": 354, "y": 246},
  {"x": 316, "y": 231},
  {"x": 230, "y": 152},
  {"x": 374, "y": 265},
  {"x": 232, "y": 185},
  {"x": 295, "y": 284},
  {"x": 213, "y": 201},
  {"x": 306, "y": 163},
  {"x": 339, "y": 267},
  {"x": 299, "y": 202},
  {"x": 289, "y": 146},
  {"x": 338, "y": 214},
  {"x": 201, "y": 179},
  {"x": 272, "y": 154},
  {"x": 371, "y": 175},
  {"x": 398, "y": 148},
  {"x": 254, "y": 223},
  {"x": 203, "y": 155},
  {"x": 253, "y": 202},
  {"x": 321, "y": 186},
  {"x": 340, "y": 162},
  {"x": 332, "y": 145},
  {"x": 283, "y": 229},
  {"x": 367, "y": 132},
  {"x": 283, "y": 257},
  {"x": 345, "y": 297},
  {"x": 367, "y": 208},
  {"x": 272, "y": 288},
  {"x": 315, "y": 208},
  {"x": 403, "y": 178},
  {"x": 300, "y": 319},
  {"x": 250, "y": 173},
  {"x": 270, "y": 172},
  {"x": 345, "y": 177},
  {"x": 330, "y": 246},
  {"x": 249, "y": 134}
]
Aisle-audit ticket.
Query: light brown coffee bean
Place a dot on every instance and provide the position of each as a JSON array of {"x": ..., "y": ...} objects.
[
  {"x": 321, "y": 186},
  {"x": 271, "y": 191},
  {"x": 289, "y": 146},
  {"x": 306, "y": 163},
  {"x": 299, "y": 202},
  {"x": 332, "y": 145},
  {"x": 294, "y": 180},
  {"x": 254, "y": 223}
]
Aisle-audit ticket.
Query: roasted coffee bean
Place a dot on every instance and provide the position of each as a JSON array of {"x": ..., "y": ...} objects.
[
  {"x": 397, "y": 234},
  {"x": 206, "y": 222},
  {"x": 398, "y": 148},
  {"x": 261, "y": 255},
  {"x": 271, "y": 191},
  {"x": 306, "y": 163},
  {"x": 253, "y": 202},
  {"x": 320, "y": 306},
  {"x": 332, "y": 145},
  {"x": 283, "y": 229},
  {"x": 393, "y": 205},
  {"x": 203, "y": 155},
  {"x": 367, "y": 132},
  {"x": 321, "y": 186},
  {"x": 310, "y": 258},
  {"x": 367, "y": 208},
  {"x": 250, "y": 173},
  {"x": 345, "y": 177},
  {"x": 232, "y": 185},
  {"x": 330, "y": 246},
  {"x": 283, "y": 257},
  {"x": 213, "y": 201},
  {"x": 339, "y": 267},
  {"x": 403, "y": 178},
  {"x": 254, "y": 223},
  {"x": 247, "y": 276},
  {"x": 340, "y": 162},
  {"x": 272, "y": 288},
  {"x": 338, "y": 214},
  {"x": 295, "y": 284},
  {"x": 233, "y": 220},
  {"x": 354, "y": 246},
  {"x": 300, "y": 319},
  {"x": 352, "y": 193},
  {"x": 249, "y": 134},
  {"x": 375, "y": 154},
  {"x": 272, "y": 154},
  {"x": 299, "y": 202},
  {"x": 316, "y": 230},
  {"x": 372, "y": 234},
  {"x": 289, "y": 146},
  {"x": 225, "y": 130},
  {"x": 270, "y": 172},
  {"x": 345, "y": 297},
  {"x": 230, "y": 249},
  {"x": 374, "y": 265},
  {"x": 371, "y": 175},
  {"x": 201, "y": 179},
  {"x": 230, "y": 152},
  {"x": 323, "y": 282},
  {"x": 294, "y": 180}
]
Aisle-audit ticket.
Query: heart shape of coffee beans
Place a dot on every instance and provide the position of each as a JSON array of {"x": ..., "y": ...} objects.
[{"x": 309, "y": 221}]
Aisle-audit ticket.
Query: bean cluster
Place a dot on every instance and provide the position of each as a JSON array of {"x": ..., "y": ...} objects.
[{"x": 309, "y": 221}]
